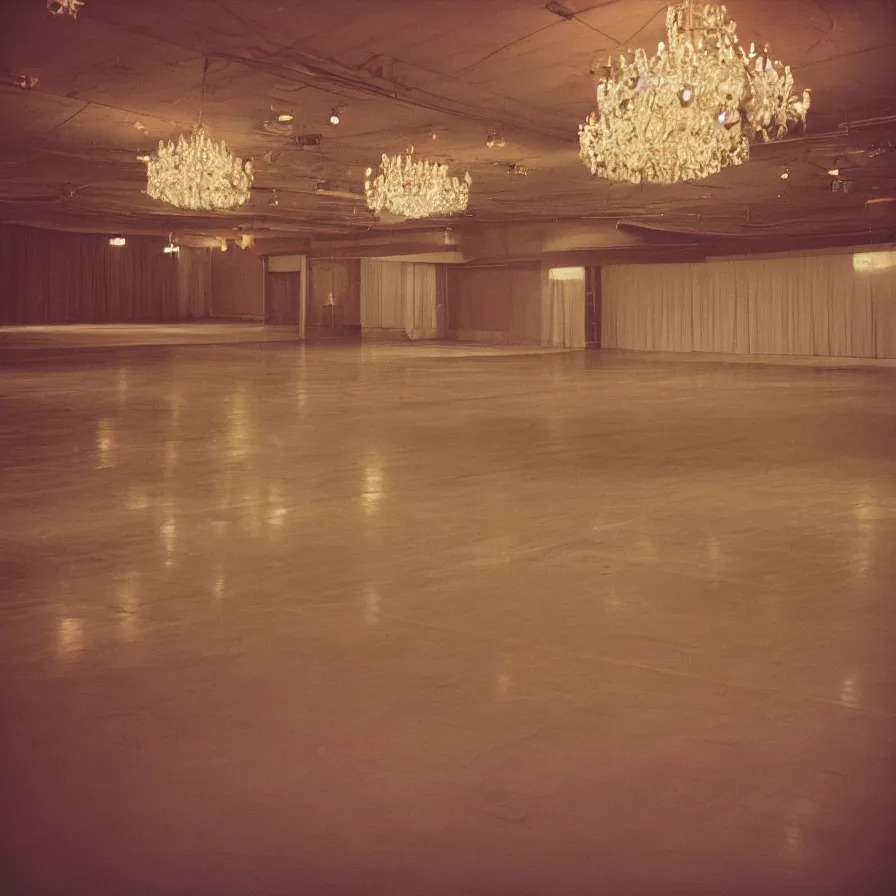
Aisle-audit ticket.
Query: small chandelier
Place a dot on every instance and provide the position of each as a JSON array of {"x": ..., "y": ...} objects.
[
  {"x": 690, "y": 110},
  {"x": 416, "y": 189},
  {"x": 196, "y": 173},
  {"x": 61, "y": 7}
]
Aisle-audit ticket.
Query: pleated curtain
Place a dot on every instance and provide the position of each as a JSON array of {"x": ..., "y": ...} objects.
[
  {"x": 563, "y": 309},
  {"x": 399, "y": 296},
  {"x": 823, "y": 305}
]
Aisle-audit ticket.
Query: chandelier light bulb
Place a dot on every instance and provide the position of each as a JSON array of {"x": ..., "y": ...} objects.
[{"x": 657, "y": 118}]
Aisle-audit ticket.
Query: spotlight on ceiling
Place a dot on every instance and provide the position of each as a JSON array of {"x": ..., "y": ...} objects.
[
  {"x": 785, "y": 175},
  {"x": 834, "y": 172},
  {"x": 334, "y": 117},
  {"x": 117, "y": 240}
]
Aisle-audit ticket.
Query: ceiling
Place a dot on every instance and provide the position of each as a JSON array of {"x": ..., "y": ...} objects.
[{"x": 439, "y": 75}]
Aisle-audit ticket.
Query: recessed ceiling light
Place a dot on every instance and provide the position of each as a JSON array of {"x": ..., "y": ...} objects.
[
  {"x": 334, "y": 117},
  {"x": 785, "y": 175}
]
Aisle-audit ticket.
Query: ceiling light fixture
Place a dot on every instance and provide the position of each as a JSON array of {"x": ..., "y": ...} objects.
[
  {"x": 415, "y": 188},
  {"x": 117, "y": 240},
  {"x": 834, "y": 172},
  {"x": 693, "y": 108},
  {"x": 284, "y": 116},
  {"x": 61, "y": 7},
  {"x": 785, "y": 175},
  {"x": 172, "y": 248},
  {"x": 196, "y": 173},
  {"x": 334, "y": 117}
]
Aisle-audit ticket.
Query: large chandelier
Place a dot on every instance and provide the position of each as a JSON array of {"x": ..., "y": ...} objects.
[
  {"x": 196, "y": 173},
  {"x": 415, "y": 188},
  {"x": 693, "y": 108}
]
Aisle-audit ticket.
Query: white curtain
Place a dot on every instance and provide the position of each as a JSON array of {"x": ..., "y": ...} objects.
[
  {"x": 399, "y": 296},
  {"x": 827, "y": 305},
  {"x": 563, "y": 308}
]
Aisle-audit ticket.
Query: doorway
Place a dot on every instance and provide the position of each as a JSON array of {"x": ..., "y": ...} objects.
[
  {"x": 592, "y": 307},
  {"x": 283, "y": 299}
]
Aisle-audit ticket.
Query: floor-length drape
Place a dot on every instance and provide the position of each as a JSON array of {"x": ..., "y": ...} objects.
[
  {"x": 563, "y": 308},
  {"x": 830, "y": 305},
  {"x": 398, "y": 297}
]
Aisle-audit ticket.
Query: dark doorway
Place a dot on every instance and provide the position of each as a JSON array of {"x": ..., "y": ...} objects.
[
  {"x": 592, "y": 307},
  {"x": 283, "y": 298}
]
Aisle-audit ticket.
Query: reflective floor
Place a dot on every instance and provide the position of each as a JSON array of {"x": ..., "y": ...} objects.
[{"x": 361, "y": 621}]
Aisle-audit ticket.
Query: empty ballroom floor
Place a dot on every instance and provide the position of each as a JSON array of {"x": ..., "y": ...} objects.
[{"x": 354, "y": 620}]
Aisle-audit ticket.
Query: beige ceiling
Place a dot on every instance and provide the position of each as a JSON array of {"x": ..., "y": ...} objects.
[{"x": 438, "y": 74}]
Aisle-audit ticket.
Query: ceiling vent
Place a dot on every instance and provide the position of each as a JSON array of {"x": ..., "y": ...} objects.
[
  {"x": 278, "y": 128},
  {"x": 558, "y": 9}
]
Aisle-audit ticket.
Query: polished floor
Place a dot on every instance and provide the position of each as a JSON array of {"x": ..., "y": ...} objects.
[{"x": 363, "y": 620}]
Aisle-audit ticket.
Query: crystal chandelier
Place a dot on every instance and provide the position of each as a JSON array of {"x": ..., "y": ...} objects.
[
  {"x": 415, "y": 189},
  {"x": 61, "y": 7},
  {"x": 690, "y": 110},
  {"x": 197, "y": 173}
]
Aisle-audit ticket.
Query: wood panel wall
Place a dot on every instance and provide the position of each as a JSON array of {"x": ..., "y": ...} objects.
[
  {"x": 500, "y": 305},
  {"x": 52, "y": 277},
  {"x": 237, "y": 284}
]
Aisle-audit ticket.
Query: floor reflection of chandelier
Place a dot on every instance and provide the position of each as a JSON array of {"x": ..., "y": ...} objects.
[
  {"x": 415, "y": 188},
  {"x": 690, "y": 110},
  {"x": 197, "y": 173}
]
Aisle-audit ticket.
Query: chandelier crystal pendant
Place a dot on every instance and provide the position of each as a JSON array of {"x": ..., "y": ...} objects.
[
  {"x": 693, "y": 108},
  {"x": 196, "y": 173},
  {"x": 415, "y": 188}
]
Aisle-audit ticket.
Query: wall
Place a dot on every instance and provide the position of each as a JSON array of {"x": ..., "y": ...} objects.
[
  {"x": 500, "y": 305},
  {"x": 52, "y": 277},
  {"x": 820, "y": 305},
  {"x": 237, "y": 285}
]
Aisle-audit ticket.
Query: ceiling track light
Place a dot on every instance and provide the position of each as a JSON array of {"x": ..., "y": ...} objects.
[{"x": 25, "y": 82}]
